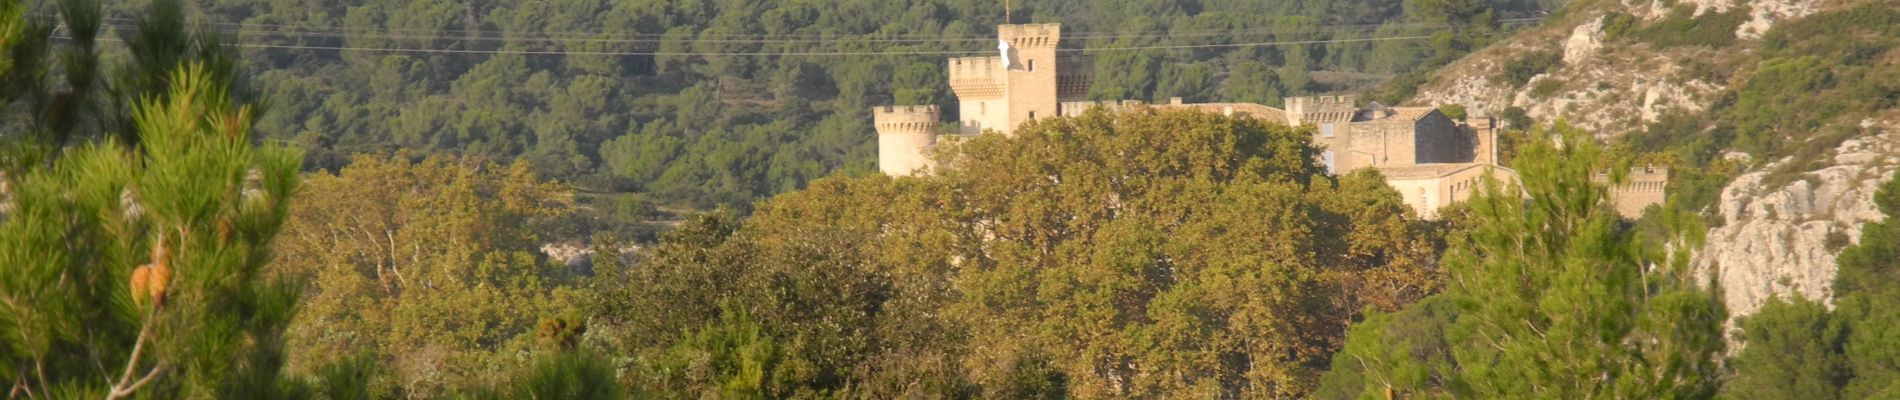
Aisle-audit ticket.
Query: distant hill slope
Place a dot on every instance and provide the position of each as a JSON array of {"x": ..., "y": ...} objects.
[
  {"x": 1779, "y": 115},
  {"x": 1616, "y": 66}
]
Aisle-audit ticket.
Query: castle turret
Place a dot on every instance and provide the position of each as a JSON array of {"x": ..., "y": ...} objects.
[{"x": 904, "y": 137}]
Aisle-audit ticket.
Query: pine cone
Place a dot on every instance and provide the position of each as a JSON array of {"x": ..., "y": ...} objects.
[
  {"x": 141, "y": 277},
  {"x": 159, "y": 276},
  {"x": 160, "y": 282}
]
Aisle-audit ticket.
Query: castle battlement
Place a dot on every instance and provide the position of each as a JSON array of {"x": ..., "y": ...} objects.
[
  {"x": 1639, "y": 175},
  {"x": 1323, "y": 103},
  {"x": 1030, "y": 36},
  {"x": 1649, "y": 173},
  {"x": 1301, "y": 109},
  {"x": 1074, "y": 108},
  {"x": 977, "y": 76},
  {"x": 904, "y": 119},
  {"x": 965, "y": 68}
]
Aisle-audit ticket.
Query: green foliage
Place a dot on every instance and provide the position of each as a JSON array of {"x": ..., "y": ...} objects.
[
  {"x": 1793, "y": 352},
  {"x": 1194, "y": 254},
  {"x": 1617, "y": 25},
  {"x": 432, "y": 264},
  {"x": 567, "y": 375},
  {"x": 199, "y": 318},
  {"x": 59, "y": 93},
  {"x": 1548, "y": 287},
  {"x": 1767, "y": 116},
  {"x": 1519, "y": 71},
  {"x": 729, "y": 357},
  {"x": 1546, "y": 88},
  {"x": 351, "y": 378},
  {"x": 1454, "y": 111},
  {"x": 1682, "y": 27},
  {"x": 702, "y": 132}
]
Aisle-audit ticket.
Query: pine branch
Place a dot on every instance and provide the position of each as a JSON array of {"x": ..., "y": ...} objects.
[{"x": 126, "y": 386}]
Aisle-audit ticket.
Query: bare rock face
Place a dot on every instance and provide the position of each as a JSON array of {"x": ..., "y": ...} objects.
[
  {"x": 1782, "y": 241},
  {"x": 1584, "y": 41},
  {"x": 1607, "y": 89}
]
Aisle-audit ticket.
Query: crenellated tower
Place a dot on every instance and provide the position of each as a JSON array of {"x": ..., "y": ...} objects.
[
  {"x": 1020, "y": 84},
  {"x": 1032, "y": 78},
  {"x": 904, "y": 137}
]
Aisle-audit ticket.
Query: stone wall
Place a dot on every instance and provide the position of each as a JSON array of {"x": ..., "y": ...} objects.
[{"x": 1388, "y": 141}]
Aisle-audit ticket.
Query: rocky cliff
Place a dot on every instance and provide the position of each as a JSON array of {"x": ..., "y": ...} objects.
[
  {"x": 1780, "y": 239},
  {"x": 1779, "y": 225}
]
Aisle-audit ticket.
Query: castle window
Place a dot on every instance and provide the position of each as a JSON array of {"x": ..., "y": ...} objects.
[
  {"x": 982, "y": 108},
  {"x": 1032, "y": 115},
  {"x": 1328, "y": 158},
  {"x": 1032, "y": 65},
  {"x": 1326, "y": 130}
]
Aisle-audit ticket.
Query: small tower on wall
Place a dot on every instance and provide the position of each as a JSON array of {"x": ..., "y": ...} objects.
[{"x": 904, "y": 137}]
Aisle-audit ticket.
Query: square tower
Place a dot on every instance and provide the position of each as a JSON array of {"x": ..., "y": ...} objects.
[
  {"x": 1032, "y": 73},
  {"x": 1017, "y": 85}
]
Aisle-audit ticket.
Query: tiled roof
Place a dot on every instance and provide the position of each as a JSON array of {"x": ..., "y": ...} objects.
[{"x": 1411, "y": 113}]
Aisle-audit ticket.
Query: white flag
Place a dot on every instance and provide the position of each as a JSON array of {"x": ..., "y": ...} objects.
[{"x": 1003, "y": 46}]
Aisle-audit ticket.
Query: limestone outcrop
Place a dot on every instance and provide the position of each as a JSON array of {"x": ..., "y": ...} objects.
[{"x": 1779, "y": 234}]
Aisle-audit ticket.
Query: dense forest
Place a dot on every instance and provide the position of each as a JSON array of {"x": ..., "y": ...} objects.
[
  {"x": 496, "y": 81},
  {"x": 183, "y": 216}
]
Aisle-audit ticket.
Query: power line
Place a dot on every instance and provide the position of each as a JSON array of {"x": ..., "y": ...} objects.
[
  {"x": 628, "y": 37},
  {"x": 694, "y": 40},
  {"x": 788, "y": 54},
  {"x": 1203, "y": 46}
]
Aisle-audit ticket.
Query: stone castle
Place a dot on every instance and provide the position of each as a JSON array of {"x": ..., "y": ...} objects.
[{"x": 1431, "y": 159}]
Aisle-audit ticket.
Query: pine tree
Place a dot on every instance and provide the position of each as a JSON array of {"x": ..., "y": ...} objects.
[
  {"x": 1551, "y": 297},
  {"x": 145, "y": 262}
]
